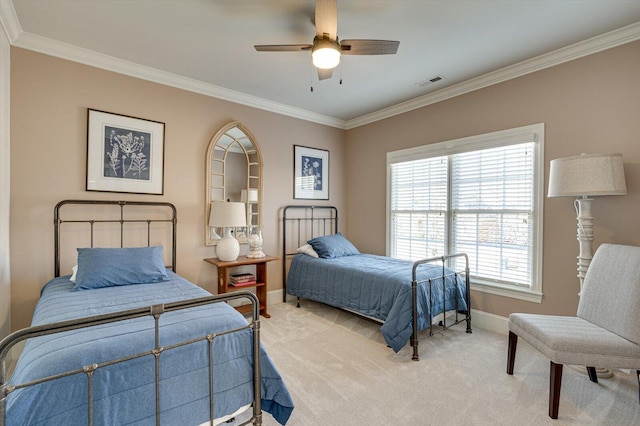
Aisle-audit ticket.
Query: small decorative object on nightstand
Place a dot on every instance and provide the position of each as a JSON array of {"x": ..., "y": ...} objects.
[
  {"x": 260, "y": 283},
  {"x": 255, "y": 246}
]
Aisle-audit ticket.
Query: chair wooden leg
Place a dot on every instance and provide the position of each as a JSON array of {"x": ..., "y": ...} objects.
[
  {"x": 555, "y": 381},
  {"x": 593, "y": 376},
  {"x": 511, "y": 352},
  {"x": 638, "y": 371}
]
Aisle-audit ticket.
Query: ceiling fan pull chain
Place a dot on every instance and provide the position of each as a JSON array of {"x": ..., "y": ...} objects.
[{"x": 312, "y": 70}]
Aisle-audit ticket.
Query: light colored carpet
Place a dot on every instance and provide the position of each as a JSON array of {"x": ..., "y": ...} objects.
[{"x": 340, "y": 372}]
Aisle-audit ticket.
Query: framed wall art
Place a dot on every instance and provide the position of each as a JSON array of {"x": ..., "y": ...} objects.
[
  {"x": 124, "y": 154},
  {"x": 311, "y": 173}
]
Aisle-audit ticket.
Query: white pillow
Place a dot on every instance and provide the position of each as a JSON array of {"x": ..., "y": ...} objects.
[
  {"x": 308, "y": 250},
  {"x": 74, "y": 271}
]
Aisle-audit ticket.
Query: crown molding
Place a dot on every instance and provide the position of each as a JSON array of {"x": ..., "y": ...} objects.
[
  {"x": 9, "y": 21},
  {"x": 587, "y": 47},
  {"x": 18, "y": 38},
  {"x": 88, "y": 57}
]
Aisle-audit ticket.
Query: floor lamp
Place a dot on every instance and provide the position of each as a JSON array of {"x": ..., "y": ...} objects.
[{"x": 583, "y": 176}]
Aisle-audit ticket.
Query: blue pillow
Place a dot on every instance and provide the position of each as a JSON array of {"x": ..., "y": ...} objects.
[
  {"x": 334, "y": 245},
  {"x": 108, "y": 267}
]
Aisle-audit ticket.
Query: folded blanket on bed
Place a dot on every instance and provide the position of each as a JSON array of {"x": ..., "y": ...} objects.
[{"x": 125, "y": 393}]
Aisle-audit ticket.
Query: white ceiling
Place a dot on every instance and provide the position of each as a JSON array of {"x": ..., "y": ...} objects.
[{"x": 207, "y": 45}]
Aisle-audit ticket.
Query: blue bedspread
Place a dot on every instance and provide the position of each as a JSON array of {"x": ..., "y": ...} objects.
[
  {"x": 125, "y": 393},
  {"x": 375, "y": 286}
]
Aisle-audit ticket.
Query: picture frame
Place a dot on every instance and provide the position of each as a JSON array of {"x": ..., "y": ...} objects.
[
  {"x": 310, "y": 173},
  {"x": 124, "y": 154}
]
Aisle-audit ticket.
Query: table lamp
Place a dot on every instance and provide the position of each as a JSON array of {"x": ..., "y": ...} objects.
[{"x": 227, "y": 215}]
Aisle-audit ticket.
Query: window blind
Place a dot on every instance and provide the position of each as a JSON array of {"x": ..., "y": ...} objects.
[
  {"x": 491, "y": 211},
  {"x": 419, "y": 208},
  {"x": 479, "y": 202}
]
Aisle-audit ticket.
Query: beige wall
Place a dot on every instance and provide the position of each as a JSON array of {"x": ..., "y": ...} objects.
[
  {"x": 5, "y": 167},
  {"x": 49, "y": 101},
  {"x": 588, "y": 105}
]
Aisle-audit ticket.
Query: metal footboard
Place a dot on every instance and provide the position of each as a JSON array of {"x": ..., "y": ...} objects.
[
  {"x": 414, "y": 295},
  {"x": 155, "y": 311}
]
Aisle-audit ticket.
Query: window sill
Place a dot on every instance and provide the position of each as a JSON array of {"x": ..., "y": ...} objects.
[{"x": 507, "y": 291}]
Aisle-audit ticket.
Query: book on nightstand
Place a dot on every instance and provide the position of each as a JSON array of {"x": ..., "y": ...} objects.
[
  {"x": 242, "y": 284},
  {"x": 239, "y": 280}
]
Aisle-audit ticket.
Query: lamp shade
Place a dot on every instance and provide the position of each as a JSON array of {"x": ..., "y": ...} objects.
[
  {"x": 249, "y": 196},
  {"x": 587, "y": 174},
  {"x": 227, "y": 214}
]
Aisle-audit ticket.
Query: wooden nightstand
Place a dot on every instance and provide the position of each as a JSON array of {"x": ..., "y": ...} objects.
[{"x": 261, "y": 278}]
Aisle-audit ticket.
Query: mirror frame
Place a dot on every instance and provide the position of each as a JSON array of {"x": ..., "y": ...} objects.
[{"x": 209, "y": 184}]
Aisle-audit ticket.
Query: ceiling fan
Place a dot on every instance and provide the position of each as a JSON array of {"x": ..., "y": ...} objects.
[{"x": 326, "y": 48}]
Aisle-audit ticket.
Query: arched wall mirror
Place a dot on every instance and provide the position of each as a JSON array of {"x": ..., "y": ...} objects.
[{"x": 234, "y": 173}]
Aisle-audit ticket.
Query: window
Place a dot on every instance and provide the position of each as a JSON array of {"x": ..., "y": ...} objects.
[{"x": 480, "y": 195}]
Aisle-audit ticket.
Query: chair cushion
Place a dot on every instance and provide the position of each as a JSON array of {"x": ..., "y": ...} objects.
[{"x": 573, "y": 340}]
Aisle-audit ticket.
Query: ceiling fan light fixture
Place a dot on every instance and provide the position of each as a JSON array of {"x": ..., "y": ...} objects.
[
  {"x": 327, "y": 49},
  {"x": 325, "y": 53}
]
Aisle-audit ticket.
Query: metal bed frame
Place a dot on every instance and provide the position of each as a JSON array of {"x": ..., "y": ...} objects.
[
  {"x": 155, "y": 311},
  {"x": 309, "y": 221}
]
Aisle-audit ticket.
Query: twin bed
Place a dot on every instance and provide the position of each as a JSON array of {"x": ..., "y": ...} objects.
[
  {"x": 406, "y": 297},
  {"x": 126, "y": 340}
]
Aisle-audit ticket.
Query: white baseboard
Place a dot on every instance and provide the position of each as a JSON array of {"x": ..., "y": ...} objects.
[
  {"x": 488, "y": 321},
  {"x": 485, "y": 320},
  {"x": 274, "y": 297}
]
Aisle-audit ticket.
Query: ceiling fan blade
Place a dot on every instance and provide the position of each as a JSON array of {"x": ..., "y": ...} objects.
[
  {"x": 324, "y": 74},
  {"x": 327, "y": 18},
  {"x": 369, "y": 47},
  {"x": 282, "y": 47}
]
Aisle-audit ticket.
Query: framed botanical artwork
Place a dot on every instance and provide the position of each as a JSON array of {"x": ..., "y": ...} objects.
[
  {"x": 311, "y": 173},
  {"x": 124, "y": 154}
]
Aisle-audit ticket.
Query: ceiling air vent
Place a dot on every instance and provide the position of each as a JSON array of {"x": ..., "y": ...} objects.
[{"x": 431, "y": 80}]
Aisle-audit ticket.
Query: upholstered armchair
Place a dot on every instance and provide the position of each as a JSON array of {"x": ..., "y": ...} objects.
[{"x": 606, "y": 330}]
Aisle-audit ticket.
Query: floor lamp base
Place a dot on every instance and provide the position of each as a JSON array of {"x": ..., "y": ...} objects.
[
  {"x": 602, "y": 373},
  {"x": 585, "y": 240}
]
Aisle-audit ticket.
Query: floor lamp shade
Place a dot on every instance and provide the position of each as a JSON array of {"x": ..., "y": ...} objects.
[
  {"x": 227, "y": 215},
  {"x": 583, "y": 176},
  {"x": 587, "y": 175}
]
